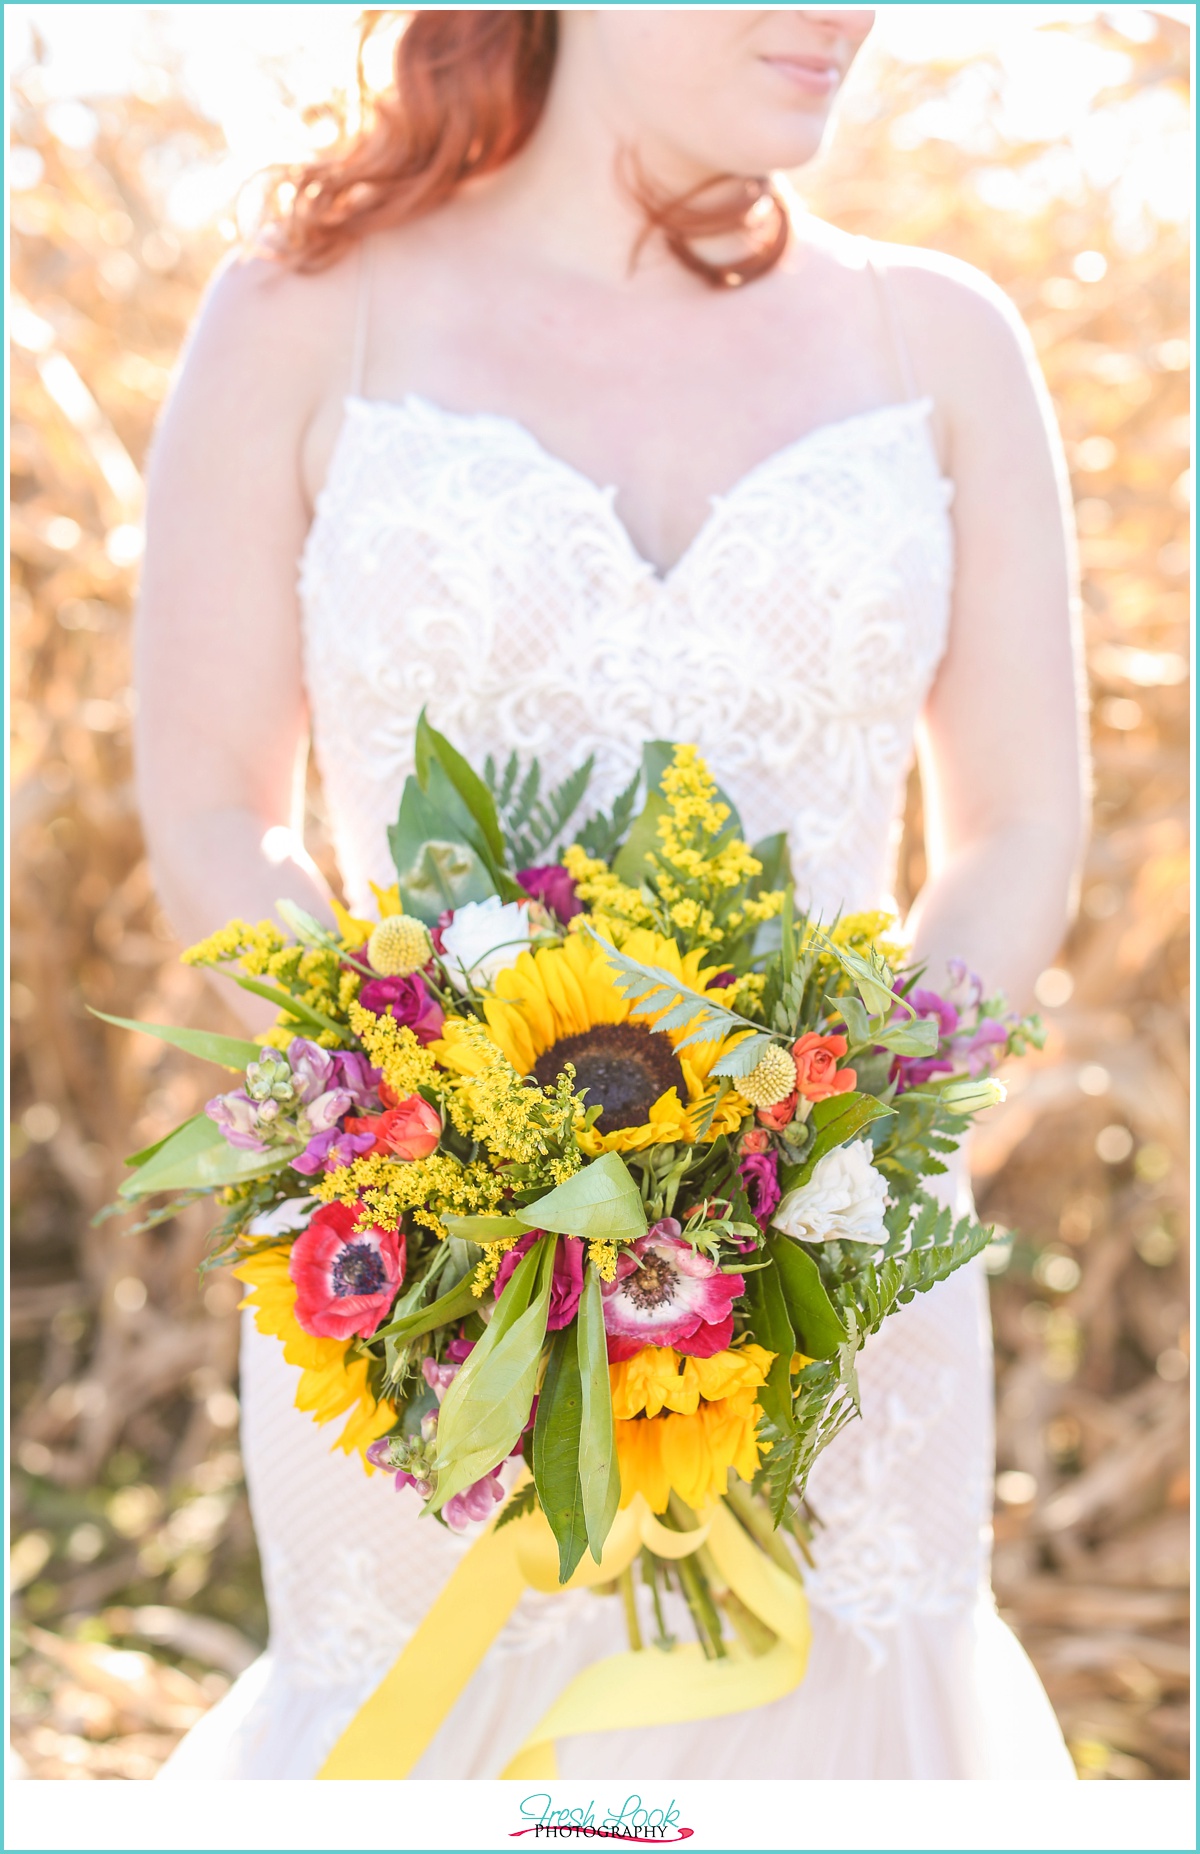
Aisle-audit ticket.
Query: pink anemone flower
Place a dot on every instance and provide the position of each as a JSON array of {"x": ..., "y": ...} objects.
[
  {"x": 346, "y": 1279},
  {"x": 666, "y": 1294}
]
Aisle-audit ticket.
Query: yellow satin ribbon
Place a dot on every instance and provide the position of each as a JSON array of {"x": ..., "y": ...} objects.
[{"x": 654, "y": 1686}]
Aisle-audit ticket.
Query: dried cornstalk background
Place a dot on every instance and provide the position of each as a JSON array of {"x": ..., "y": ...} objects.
[{"x": 137, "y": 1588}]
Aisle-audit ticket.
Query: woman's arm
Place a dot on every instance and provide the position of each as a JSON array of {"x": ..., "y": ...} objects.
[
  {"x": 1002, "y": 758},
  {"x": 222, "y": 725}
]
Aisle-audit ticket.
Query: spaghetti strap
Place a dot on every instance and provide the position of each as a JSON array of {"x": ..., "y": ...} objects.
[
  {"x": 899, "y": 345},
  {"x": 362, "y": 317}
]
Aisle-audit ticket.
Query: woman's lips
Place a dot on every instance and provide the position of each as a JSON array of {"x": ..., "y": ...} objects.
[{"x": 817, "y": 77}]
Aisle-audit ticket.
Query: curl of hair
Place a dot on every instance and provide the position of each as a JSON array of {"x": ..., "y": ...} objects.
[{"x": 469, "y": 90}]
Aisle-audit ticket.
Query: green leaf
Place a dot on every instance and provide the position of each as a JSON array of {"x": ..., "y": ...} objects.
[
  {"x": 486, "y": 1229},
  {"x": 433, "y": 748},
  {"x": 436, "y": 867},
  {"x": 446, "y": 799},
  {"x": 454, "y": 1305},
  {"x": 148, "y": 1152},
  {"x": 487, "y": 1406},
  {"x": 599, "y": 1474},
  {"x": 283, "y": 1000},
  {"x": 198, "y": 1157},
  {"x": 600, "y": 1202},
  {"x": 819, "y": 1332},
  {"x": 853, "y": 1013},
  {"x": 919, "y": 1037},
  {"x": 232, "y": 1052},
  {"x": 773, "y": 1329},
  {"x": 556, "y": 1439},
  {"x": 834, "y": 1121}
]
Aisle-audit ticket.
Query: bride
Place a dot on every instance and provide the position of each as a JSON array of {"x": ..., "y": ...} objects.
[{"x": 545, "y": 408}]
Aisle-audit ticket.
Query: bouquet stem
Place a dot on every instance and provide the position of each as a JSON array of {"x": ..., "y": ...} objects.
[
  {"x": 650, "y": 1569},
  {"x": 629, "y": 1599},
  {"x": 757, "y": 1523}
]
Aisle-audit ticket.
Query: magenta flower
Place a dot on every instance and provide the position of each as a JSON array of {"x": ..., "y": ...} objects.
[
  {"x": 567, "y": 1284},
  {"x": 474, "y": 1502},
  {"x": 760, "y": 1176},
  {"x": 358, "y": 1078},
  {"x": 932, "y": 1004},
  {"x": 666, "y": 1294},
  {"x": 409, "y": 1001},
  {"x": 550, "y": 884},
  {"x": 440, "y": 1377}
]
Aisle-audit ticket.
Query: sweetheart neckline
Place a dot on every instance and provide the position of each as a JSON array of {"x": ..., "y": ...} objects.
[{"x": 606, "y": 494}]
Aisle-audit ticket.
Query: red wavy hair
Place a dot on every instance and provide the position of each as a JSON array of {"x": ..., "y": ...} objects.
[{"x": 469, "y": 91}]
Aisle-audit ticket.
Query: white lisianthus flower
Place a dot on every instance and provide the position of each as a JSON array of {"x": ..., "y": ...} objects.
[
  {"x": 843, "y": 1201},
  {"x": 295, "y": 1213},
  {"x": 483, "y": 938}
]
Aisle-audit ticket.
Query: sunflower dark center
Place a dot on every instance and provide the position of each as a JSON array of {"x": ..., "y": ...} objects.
[
  {"x": 358, "y": 1269},
  {"x": 653, "y": 1283},
  {"x": 624, "y": 1068}
]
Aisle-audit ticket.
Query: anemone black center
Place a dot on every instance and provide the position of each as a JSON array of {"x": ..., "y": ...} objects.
[
  {"x": 358, "y": 1269},
  {"x": 624, "y": 1068},
  {"x": 652, "y": 1283}
]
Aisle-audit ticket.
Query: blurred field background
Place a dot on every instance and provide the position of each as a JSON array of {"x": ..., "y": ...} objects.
[{"x": 1055, "y": 157}]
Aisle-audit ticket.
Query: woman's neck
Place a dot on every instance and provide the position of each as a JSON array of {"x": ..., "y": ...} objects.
[{"x": 566, "y": 196}]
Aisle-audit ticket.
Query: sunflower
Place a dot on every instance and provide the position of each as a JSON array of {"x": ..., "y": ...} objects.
[
  {"x": 330, "y": 1384},
  {"x": 561, "y": 1004},
  {"x": 682, "y": 1423}
]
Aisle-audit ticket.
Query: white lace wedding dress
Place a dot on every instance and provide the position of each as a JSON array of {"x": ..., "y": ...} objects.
[{"x": 453, "y": 562}]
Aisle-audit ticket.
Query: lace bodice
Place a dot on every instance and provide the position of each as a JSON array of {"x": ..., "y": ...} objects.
[{"x": 454, "y": 562}]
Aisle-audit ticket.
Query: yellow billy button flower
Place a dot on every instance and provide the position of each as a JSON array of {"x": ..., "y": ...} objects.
[
  {"x": 682, "y": 1423},
  {"x": 399, "y": 946},
  {"x": 771, "y": 1080}
]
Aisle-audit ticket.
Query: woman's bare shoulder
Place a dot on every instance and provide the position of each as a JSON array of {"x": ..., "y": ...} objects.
[{"x": 282, "y": 333}]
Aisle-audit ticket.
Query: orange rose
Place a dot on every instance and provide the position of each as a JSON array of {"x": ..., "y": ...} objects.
[
  {"x": 817, "y": 1073},
  {"x": 755, "y": 1140},
  {"x": 778, "y": 1116},
  {"x": 410, "y": 1130}
]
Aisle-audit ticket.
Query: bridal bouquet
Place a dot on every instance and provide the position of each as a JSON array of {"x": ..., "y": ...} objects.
[{"x": 588, "y": 1177}]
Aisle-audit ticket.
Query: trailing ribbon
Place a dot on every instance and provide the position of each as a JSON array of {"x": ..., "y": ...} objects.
[{"x": 654, "y": 1686}]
